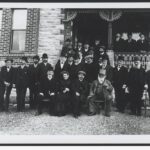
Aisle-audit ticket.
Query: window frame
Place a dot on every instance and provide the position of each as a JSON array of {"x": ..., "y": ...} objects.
[{"x": 12, "y": 33}]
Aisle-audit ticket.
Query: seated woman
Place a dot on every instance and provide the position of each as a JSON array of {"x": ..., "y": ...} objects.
[
  {"x": 47, "y": 93},
  {"x": 101, "y": 91},
  {"x": 64, "y": 94}
]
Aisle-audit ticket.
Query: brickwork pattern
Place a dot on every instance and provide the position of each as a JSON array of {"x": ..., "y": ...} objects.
[
  {"x": 51, "y": 35},
  {"x": 32, "y": 30},
  {"x": 5, "y": 40}
]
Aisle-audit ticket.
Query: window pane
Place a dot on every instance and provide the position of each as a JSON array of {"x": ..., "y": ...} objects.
[
  {"x": 18, "y": 40},
  {"x": 19, "y": 19},
  {"x": 1, "y": 19}
]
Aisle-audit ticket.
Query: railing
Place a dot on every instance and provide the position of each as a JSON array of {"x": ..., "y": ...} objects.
[{"x": 129, "y": 58}]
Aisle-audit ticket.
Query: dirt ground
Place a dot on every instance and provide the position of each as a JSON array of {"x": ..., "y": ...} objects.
[{"x": 26, "y": 123}]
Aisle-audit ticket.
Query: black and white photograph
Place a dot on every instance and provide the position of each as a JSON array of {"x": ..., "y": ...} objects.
[{"x": 74, "y": 71}]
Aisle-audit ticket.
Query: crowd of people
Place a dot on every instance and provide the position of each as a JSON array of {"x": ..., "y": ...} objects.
[{"x": 82, "y": 81}]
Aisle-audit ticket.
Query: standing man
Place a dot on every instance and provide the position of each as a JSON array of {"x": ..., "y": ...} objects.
[
  {"x": 60, "y": 66},
  {"x": 142, "y": 44},
  {"x": 34, "y": 81},
  {"x": 136, "y": 82},
  {"x": 44, "y": 66},
  {"x": 22, "y": 82},
  {"x": 6, "y": 83},
  {"x": 120, "y": 84}
]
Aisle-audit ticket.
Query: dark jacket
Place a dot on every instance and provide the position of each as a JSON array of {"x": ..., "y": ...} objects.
[
  {"x": 58, "y": 70},
  {"x": 7, "y": 76},
  {"x": 143, "y": 46},
  {"x": 43, "y": 70},
  {"x": 33, "y": 75},
  {"x": 119, "y": 46},
  {"x": 136, "y": 79},
  {"x": 120, "y": 77},
  {"x": 47, "y": 86},
  {"x": 90, "y": 72},
  {"x": 130, "y": 46},
  {"x": 63, "y": 84},
  {"x": 22, "y": 77},
  {"x": 80, "y": 87},
  {"x": 75, "y": 69}
]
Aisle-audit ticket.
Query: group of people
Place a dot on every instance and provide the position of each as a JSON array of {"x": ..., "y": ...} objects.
[
  {"x": 82, "y": 81},
  {"x": 130, "y": 44}
]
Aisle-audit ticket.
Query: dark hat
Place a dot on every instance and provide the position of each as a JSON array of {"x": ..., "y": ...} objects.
[
  {"x": 36, "y": 57},
  {"x": 9, "y": 59},
  {"x": 105, "y": 57},
  {"x": 65, "y": 72},
  {"x": 103, "y": 47},
  {"x": 136, "y": 58},
  {"x": 67, "y": 40},
  {"x": 70, "y": 55},
  {"x": 63, "y": 54},
  {"x": 50, "y": 71},
  {"x": 82, "y": 72},
  {"x": 102, "y": 72},
  {"x": 120, "y": 58},
  {"x": 44, "y": 55},
  {"x": 76, "y": 56},
  {"x": 24, "y": 58}
]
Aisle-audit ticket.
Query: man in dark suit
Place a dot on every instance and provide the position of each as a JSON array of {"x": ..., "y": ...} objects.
[
  {"x": 142, "y": 44},
  {"x": 22, "y": 82},
  {"x": 136, "y": 83},
  {"x": 119, "y": 43},
  {"x": 76, "y": 67},
  {"x": 34, "y": 81},
  {"x": 130, "y": 44},
  {"x": 47, "y": 91},
  {"x": 60, "y": 66},
  {"x": 44, "y": 67},
  {"x": 6, "y": 83},
  {"x": 103, "y": 64},
  {"x": 80, "y": 93},
  {"x": 120, "y": 84}
]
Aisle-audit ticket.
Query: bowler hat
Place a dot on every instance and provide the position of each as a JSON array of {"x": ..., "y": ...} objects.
[
  {"x": 24, "y": 58},
  {"x": 102, "y": 72},
  {"x": 102, "y": 47},
  {"x": 82, "y": 72},
  {"x": 120, "y": 58},
  {"x": 50, "y": 71},
  {"x": 36, "y": 57},
  {"x": 44, "y": 55},
  {"x": 8, "y": 59},
  {"x": 63, "y": 54},
  {"x": 65, "y": 72},
  {"x": 136, "y": 58},
  {"x": 76, "y": 56}
]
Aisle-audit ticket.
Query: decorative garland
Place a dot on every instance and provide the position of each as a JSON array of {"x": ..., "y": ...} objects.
[
  {"x": 70, "y": 16},
  {"x": 110, "y": 15}
]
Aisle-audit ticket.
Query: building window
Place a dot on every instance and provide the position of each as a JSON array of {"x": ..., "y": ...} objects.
[
  {"x": 19, "y": 30},
  {"x": 0, "y": 22}
]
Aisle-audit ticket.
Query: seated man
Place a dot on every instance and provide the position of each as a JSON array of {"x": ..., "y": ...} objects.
[
  {"x": 64, "y": 94},
  {"x": 47, "y": 92},
  {"x": 80, "y": 93},
  {"x": 101, "y": 91}
]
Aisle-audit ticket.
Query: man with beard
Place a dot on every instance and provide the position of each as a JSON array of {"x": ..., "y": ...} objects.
[
  {"x": 100, "y": 93},
  {"x": 47, "y": 93},
  {"x": 6, "y": 83},
  {"x": 34, "y": 81},
  {"x": 44, "y": 66},
  {"x": 60, "y": 66},
  {"x": 80, "y": 93},
  {"x": 136, "y": 82},
  {"x": 120, "y": 84}
]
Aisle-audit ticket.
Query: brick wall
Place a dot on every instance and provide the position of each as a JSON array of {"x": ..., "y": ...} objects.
[{"x": 51, "y": 35}]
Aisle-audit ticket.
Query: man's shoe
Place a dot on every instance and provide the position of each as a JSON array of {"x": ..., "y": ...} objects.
[{"x": 91, "y": 114}]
